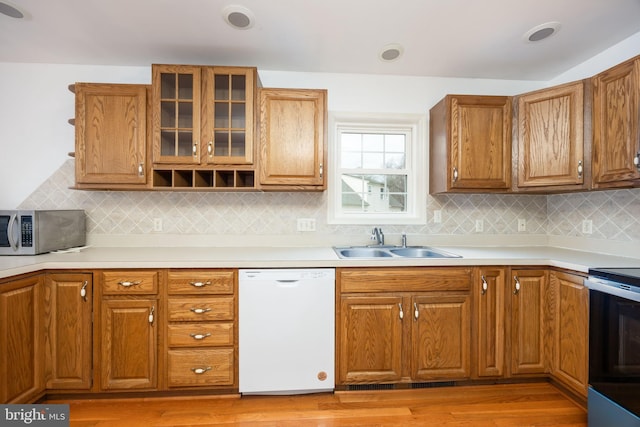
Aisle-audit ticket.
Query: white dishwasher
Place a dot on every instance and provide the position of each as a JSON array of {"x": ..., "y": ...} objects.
[{"x": 286, "y": 331}]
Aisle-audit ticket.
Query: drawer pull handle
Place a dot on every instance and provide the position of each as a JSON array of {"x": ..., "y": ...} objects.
[
  {"x": 416, "y": 311},
  {"x": 151, "y": 314},
  {"x": 401, "y": 314},
  {"x": 517, "y": 285},
  {"x": 200, "y": 336},
  {"x": 200, "y": 284},
  {"x": 200, "y": 310},
  {"x": 127, "y": 284},
  {"x": 200, "y": 371}
]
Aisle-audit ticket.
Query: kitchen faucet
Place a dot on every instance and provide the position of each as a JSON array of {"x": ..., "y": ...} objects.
[{"x": 377, "y": 235}]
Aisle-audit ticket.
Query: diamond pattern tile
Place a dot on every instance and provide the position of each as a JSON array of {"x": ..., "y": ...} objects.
[{"x": 615, "y": 214}]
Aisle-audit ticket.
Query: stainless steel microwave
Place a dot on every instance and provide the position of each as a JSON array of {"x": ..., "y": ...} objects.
[{"x": 32, "y": 232}]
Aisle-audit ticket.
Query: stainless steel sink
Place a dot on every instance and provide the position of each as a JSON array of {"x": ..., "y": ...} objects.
[
  {"x": 363, "y": 252},
  {"x": 422, "y": 252},
  {"x": 391, "y": 252}
]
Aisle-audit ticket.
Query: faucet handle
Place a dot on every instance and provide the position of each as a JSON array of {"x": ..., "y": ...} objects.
[{"x": 404, "y": 239}]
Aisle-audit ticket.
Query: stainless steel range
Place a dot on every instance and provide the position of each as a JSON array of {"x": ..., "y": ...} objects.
[{"x": 614, "y": 347}]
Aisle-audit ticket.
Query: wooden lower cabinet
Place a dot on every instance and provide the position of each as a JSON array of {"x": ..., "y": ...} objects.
[
  {"x": 370, "y": 343},
  {"x": 440, "y": 336},
  {"x": 68, "y": 330},
  {"x": 571, "y": 331},
  {"x": 488, "y": 326},
  {"x": 21, "y": 340},
  {"x": 530, "y": 322},
  {"x": 201, "y": 333},
  {"x": 126, "y": 349},
  {"x": 403, "y": 325}
]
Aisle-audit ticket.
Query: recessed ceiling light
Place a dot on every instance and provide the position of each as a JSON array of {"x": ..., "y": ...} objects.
[
  {"x": 10, "y": 11},
  {"x": 541, "y": 32},
  {"x": 239, "y": 17},
  {"x": 391, "y": 52}
]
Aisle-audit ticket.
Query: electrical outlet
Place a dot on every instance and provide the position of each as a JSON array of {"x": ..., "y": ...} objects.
[
  {"x": 306, "y": 224},
  {"x": 157, "y": 224},
  {"x": 522, "y": 224},
  {"x": 479, "y": 225},
  {"x": 587, "y": 226},
  {"x": 437, "y": 216}
]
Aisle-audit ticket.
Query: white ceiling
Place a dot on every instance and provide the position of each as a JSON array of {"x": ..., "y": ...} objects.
[{"x": 450, "y": 38}]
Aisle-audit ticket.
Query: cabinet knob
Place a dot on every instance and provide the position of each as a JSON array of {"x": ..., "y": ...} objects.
[
  {"x": 195, "y": 149},
  {"x": 516, "y": 289},
  {"x": 636, "y": 160},
  {"x": 151, "y": 314},
  {"x": 401, "y": 314},
  {"x": 416, "y": 312},
  {"x": 210, "y": 148},
  {"x": 485, "y": 286},
  {"x": 455, "y": 174},
  {"x": 321, "y": 170},
  {"x": 140, "y": 169}
]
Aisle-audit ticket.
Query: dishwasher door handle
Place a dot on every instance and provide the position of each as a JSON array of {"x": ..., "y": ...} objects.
[{"x": 290, "y": 283}]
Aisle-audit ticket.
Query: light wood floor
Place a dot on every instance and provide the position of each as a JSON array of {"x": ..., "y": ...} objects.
[{"x": 537, "y": 404}]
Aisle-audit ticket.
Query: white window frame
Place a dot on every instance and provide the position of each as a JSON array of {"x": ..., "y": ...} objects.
[{"x": 416, "y": 162}]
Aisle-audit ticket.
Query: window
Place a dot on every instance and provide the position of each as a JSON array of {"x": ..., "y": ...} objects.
[{"x": 378, "y": 169}]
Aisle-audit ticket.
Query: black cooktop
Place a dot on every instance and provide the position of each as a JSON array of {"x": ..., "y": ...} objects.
[{"x": 629, "y": 276}]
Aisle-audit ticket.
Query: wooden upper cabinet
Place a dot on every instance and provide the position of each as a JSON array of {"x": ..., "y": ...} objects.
[
  {"x": 616, "y": 128},
  {"x": 470, "y": 144},
  {"x": 292, "y": 138},
  {"x": 111, "y": 135},
  {"x": 203, "y": 115},
  {"x": 550, "y": 150}
]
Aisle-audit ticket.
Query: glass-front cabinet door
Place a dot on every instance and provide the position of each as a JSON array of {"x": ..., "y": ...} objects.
[
  {"x": 176, "y": 114},
  {"x": 228, "y": 115}
]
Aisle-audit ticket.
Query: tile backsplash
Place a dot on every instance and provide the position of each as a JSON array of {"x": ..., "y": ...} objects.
[{"x": 615, "y": 215}]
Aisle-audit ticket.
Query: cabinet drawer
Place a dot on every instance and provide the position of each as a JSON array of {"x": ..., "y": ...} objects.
[
  {"x": 195, "y": 309},
  {"x": 200, "y": 334},
  {"x": 201, "y": 282},
  {"x": 129, "y": 282},
  {"x": 202, "y": 367}
]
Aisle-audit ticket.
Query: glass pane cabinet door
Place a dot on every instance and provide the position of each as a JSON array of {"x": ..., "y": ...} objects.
[
  {"x": 229, "y": 110},
  {"x": 176, "y": 114}
]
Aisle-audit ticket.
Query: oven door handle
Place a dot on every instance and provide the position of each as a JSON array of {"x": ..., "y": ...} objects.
[
  {"x": 618, "y": 289},
  {"x": 12, "y": 222}
]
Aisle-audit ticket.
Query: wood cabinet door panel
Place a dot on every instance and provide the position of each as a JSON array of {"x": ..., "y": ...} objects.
[
  {"x": 111, "y": 134},
  {"x": 370, "y": 339},
  {"x": 129, "y": 344},
  {"x": 489, "y": 325},
  {"x": 550, "y": 139},
  {"x": 480, "y": 142},
  {"x": 292, "y": 137},
  {"x": 69, "y": 299},
  {"x": 528, "y": 322},
  {"x": 571, "y": 349},
  {"x": 616, "y": 125},
  {"x": 21, "y": 341},
  {"x": 440, "y": 336}
]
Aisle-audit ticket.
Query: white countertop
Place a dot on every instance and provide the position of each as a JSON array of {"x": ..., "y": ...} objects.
[{"x": 299, "y": 257}]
